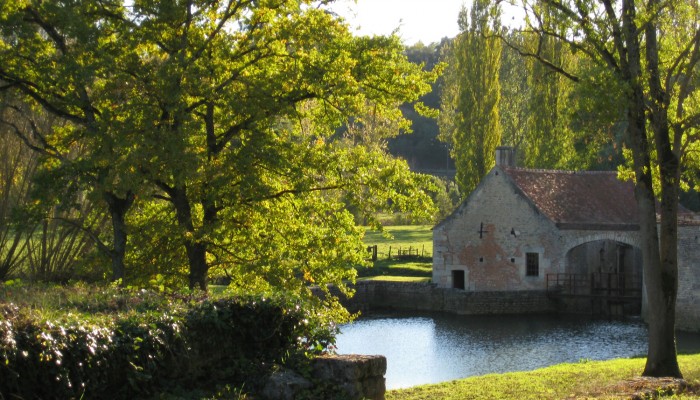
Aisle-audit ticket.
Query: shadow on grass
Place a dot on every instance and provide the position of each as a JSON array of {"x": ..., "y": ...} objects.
[{"x": 416, "y": 267}]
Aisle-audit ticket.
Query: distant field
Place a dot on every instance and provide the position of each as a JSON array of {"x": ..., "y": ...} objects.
[
  {"x": 414, "y": 236},
  {"x": 389, "y": 278},
  {"x": 418, "y": 238}
]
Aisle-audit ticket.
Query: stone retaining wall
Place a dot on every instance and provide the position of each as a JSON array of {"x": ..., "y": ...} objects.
[
  {"x": 348, "y": 377},
  {"x": 355, "y": 376},
  {"x": 428, "y": 297}
]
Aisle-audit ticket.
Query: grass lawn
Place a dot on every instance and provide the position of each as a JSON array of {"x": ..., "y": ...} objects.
[
  {"x": 614, "y": 379},
  {"x": 389, "y": 278},
  {"x": 416, "y": 237}
]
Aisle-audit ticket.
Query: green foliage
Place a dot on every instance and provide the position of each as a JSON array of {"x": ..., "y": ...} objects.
[
  {"x": 121, "y": 343},
  {"x": 469, "y": 120},
  {"x": 208, "y": 132},
  {"x": 421, "y": 147},
  {"x": 16, "y": 168}
]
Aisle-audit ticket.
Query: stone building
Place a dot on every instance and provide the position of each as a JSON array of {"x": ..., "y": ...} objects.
[{"x": 564, "y": 232}]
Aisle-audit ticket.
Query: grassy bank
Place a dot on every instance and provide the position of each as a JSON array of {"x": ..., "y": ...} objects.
[
  {"x": 614, "y": 379},
  {"x": 417, "y": 238}
]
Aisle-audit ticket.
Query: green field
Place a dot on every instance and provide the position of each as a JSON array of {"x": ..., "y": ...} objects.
[
  {"x": 418, "y": 239},
  {"x": 614, "y": 379}
]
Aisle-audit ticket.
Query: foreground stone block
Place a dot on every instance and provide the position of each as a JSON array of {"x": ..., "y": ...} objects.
[
  {"x": 284, "y": 385},
  {"x": 358, "y": 376}
]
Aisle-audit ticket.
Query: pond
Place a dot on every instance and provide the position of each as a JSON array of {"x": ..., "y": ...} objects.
[{"x": 434, "y": 347}]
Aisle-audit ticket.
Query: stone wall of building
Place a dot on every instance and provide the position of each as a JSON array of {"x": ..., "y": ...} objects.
[
  {"x": 429, "y": 297},
  {"x": 688, "y": 300},
  {"x": 488, "y": 237}
]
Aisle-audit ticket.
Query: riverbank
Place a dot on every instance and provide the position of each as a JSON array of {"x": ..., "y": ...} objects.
[{"x": 614, "y": 379}]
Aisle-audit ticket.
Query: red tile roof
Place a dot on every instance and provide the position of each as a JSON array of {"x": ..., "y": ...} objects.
[{"x": 579, "y": 200}]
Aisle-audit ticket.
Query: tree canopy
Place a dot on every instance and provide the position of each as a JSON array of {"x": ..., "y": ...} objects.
[
  {"x": 469, "y": 121},
  {"x": 208, "y": 131}
]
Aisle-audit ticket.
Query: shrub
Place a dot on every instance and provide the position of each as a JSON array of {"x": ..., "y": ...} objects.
[{"x": 185, "y": 342}]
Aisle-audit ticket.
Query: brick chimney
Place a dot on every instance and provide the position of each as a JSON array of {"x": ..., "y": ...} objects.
[{"x": 505, "y": 156}]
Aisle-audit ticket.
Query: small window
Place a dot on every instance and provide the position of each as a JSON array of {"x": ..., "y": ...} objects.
[
  {"x": 533, "y": 264},
  {"x": 458, "y": 279}
]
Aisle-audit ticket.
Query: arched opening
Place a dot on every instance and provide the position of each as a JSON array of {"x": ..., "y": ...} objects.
[
  {"x": 607, "y": 257},
  {"x": 606, "y": 271}
]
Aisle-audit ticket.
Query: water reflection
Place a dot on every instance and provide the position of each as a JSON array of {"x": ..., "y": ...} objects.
[{"x": 436, "y": 347}]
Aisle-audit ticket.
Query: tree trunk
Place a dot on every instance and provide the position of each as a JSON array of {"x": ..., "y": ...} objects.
[
  {"x": 118, "y": 208},
  {"x": 196, "y": 255},
  {"x": 659, "y": 257},
  {"x": 661, "y": 357},
  {"x": 196, "y": 250}
]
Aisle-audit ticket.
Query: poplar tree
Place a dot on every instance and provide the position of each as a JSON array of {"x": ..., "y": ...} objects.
[
  {"x": 548, "y": 138},
  {"x": 469, "y": 121}
]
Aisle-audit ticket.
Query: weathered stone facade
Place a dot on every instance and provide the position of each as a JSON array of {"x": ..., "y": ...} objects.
[
  {"x": 423, "y": 296},
  {"x": 688, "y": 301},
  {"x": 519, "y": 226},
  {"x": 491, "y": 233}
]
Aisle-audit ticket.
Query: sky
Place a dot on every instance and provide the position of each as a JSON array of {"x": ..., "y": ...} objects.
[{"x": 426, "y": 21}]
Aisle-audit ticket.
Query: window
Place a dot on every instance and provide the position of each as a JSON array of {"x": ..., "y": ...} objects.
[
  {"x": 533, "y": 264},
  {"x": 458, "y": 279}
]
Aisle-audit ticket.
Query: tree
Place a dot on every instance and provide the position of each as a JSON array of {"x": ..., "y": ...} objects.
[
  {"x": 17, "y": 167},
  {"x": 469, "y": 121},
  {"x": 513, "y": 75},
  {"x": 421, "y": 147},
  {"x": 250, "y": 114},
  {"x": 548, "y": 141},
  {"x": 655, "y": 79},
  {"x": 61, "y": 59},
  {"x": 221, "y": 117}
]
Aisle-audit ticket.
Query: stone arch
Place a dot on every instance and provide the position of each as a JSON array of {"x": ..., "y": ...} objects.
[
  {"x": 630, "y": 238},
  {"x": 618, "y": 266}
]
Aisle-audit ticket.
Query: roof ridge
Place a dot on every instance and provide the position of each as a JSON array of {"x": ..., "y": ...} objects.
[{"x": 560, "y": 171}]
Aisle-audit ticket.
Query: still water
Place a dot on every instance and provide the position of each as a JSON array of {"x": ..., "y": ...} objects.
[{"x": 434, "y": 347}]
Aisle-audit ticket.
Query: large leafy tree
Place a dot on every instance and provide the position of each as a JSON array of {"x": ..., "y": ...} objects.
[
  {"x": 655, "y": 77},
  {"x": 249, "y": 116},
  {"x": 221, "y": 118},
  {"x": 59, "y": 59},
  {"x": 469, "y": 121}
]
